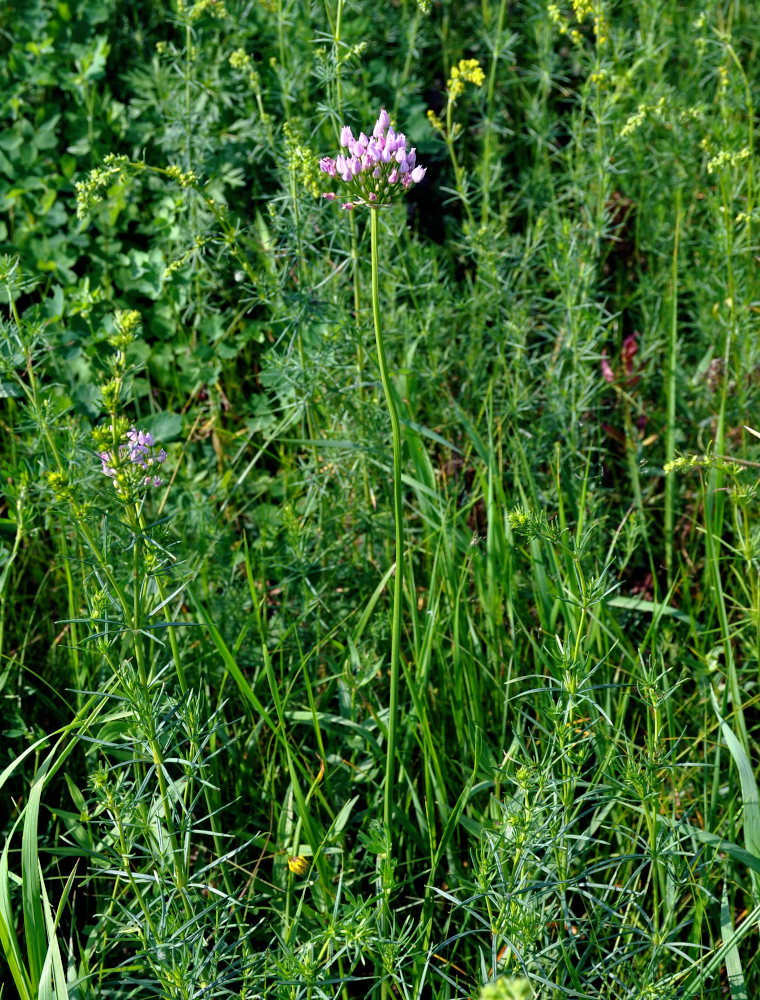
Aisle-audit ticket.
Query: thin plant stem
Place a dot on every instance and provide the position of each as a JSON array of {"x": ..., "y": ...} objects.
[
  {"x": 670, "y": 445},
  {"x": 488, "y": 136},
  {"x": 398, "y": 583}
]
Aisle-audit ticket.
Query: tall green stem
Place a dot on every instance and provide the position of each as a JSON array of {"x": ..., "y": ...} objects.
[
  {"x": 398, "y": 583},
  {"x": 489, "y": 133},
  {"x": 671, "y": 389}
]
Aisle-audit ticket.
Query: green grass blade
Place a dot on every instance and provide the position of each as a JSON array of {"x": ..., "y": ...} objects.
[
  {"x": 53, "y": 979},
  {"x": 31, "y": 893},
  {"x": 699, "y": 976},
  {"x": 8, "y": 939},
  {"x": 733, "y": 961},
  {"x": 750, "y": 796}
]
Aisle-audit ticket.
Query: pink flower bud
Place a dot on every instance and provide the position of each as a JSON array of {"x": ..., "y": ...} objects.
[
  {"x": 418, "y": 173},
  {"x": 344, "y": 169},
  {"x": 346, "y": 136},
  {"x": 382, "y": 123},
  {"x": 628, "y": 352}
]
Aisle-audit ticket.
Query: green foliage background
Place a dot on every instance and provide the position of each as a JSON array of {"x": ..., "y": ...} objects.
[{"x": 570, "y": 300}]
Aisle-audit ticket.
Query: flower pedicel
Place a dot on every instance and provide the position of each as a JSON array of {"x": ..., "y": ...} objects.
[{"x": 377, "y": 169}]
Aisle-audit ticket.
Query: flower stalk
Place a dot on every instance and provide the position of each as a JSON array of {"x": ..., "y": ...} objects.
[
  {"x": 398, "y": 580},
  {"x": 376, "y": 170}
]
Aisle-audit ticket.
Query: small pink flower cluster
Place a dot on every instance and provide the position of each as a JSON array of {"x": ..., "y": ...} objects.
[
  {"x": 138, "y": 451},
  {"x": 378, "y": 168}
]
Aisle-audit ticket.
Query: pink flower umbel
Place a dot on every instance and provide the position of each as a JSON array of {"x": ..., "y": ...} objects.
[
  {"x": 138, "y": 452},
  {"x": 377, "y": 169}
]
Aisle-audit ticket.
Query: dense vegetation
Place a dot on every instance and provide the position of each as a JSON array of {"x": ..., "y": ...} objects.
[{"x": 197, "y": 521}]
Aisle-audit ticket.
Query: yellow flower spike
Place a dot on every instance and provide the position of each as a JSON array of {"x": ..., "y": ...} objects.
[{"x": 299, "y": 865}]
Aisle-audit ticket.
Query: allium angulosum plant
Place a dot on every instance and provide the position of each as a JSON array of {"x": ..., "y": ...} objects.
[{"x": 377, "y": 171}]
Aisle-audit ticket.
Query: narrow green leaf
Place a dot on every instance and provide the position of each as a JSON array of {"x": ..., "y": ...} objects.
[
  {"x": 750, "y": 796},
  {"x": 733, "y": 961},
  {"x": 431, "y": 435},
  {"x": 8, "y": 771},
  {"x": 53, "y": 979},
  {"x": 699, "y": 976},
  {"x": 34, "y": 918},
  {"x": 339, "y": 823},
  {"x": 656, "y": 608},
  {"x": 8, "y": 939}
]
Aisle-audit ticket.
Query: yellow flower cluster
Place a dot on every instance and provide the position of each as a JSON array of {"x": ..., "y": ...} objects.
[
  {"x": 465, "y": 71},
  {"x": 215, "y": 8},
  {"x": 684, "y": 463},
  {"x": 600, "y": 29},
  {"x": 127, "y": 323},
  {"x": 434, "y": 120},
  {"x": 640, "y": 115},
  {"x": 302, "y": 160},
  {"x": 241, "y": 61},
  {"x": 176, "y": 265},
  {"x": 60, "y": 485},
  {"x": 582, "y": 9},
  {"x": 183, "y": 177},
  {"x": 90, "y": 191},
  {"x": 725, "y": 158}
]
